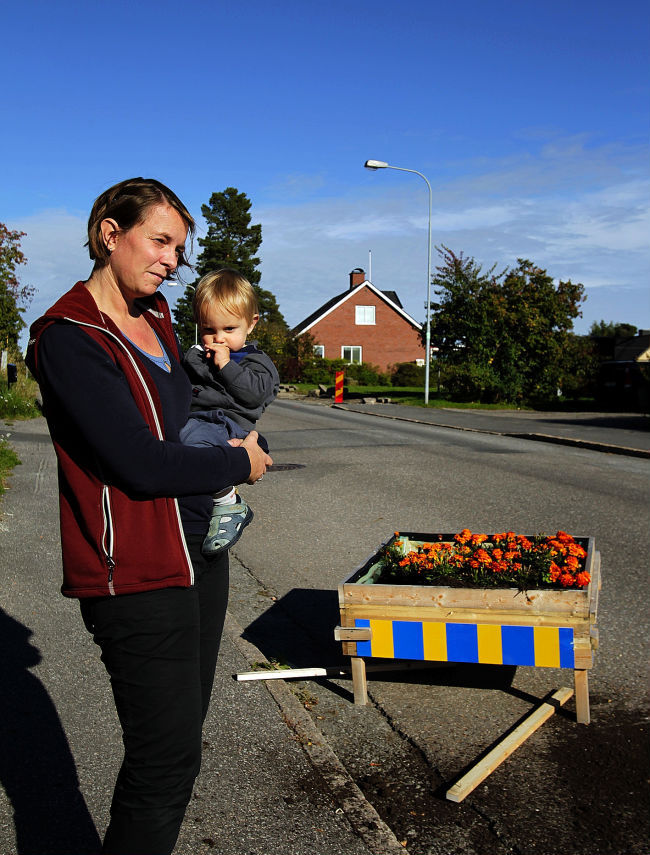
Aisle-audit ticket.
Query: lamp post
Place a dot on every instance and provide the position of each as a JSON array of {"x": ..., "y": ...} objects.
[{"x": 380, "y": 164}]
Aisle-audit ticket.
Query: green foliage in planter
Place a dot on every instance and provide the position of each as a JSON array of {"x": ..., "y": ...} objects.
[{"x": 499, "y": 560}]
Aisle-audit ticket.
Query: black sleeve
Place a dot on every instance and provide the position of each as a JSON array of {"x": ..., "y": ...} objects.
[{"x": 87, "y": 400}]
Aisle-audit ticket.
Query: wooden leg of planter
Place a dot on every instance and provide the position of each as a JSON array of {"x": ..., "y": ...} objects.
[
  {"x": 582, "y": 695},
  {"x": 359, "y": 683}
]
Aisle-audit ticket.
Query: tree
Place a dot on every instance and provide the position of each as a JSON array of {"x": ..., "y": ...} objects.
[
  {"x": 501, "y": 336},
  {"x": 604, "y": 329},
  {"x": 230, "y": 241},
  {"x": 14, "y": 297}
]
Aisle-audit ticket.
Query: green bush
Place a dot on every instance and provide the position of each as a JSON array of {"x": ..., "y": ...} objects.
[
  {"x": 319, "y": 370},
  {"x": 469, "y": 382},
  {"x": 407, "y": 374},
  {"x": 366, "y": 374}
]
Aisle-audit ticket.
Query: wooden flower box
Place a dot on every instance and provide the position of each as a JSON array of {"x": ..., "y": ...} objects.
[{"x": 496, "y": 626}]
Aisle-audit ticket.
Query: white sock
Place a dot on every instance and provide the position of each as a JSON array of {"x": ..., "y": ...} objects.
[{"x": 229, "y": 499}]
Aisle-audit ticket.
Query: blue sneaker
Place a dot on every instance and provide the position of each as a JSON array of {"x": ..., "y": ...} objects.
[{"x": 226, "y": 526}]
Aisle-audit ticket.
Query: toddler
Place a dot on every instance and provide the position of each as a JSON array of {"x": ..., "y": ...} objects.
[{"x": 232, "y": 384}]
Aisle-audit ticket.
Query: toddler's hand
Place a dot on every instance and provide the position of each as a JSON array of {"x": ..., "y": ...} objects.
[{"x": 219, "y": 354}]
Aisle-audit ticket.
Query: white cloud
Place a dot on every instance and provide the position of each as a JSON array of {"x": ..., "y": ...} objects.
[
  {"x": 56, "y": 257},
  {"x": 581, "y": 213}
]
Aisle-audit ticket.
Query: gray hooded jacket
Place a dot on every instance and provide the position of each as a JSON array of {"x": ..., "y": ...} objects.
[{"x": 243, "y": 388}]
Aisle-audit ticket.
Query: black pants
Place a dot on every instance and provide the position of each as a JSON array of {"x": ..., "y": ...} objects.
[{"x": 160, "y": 650}]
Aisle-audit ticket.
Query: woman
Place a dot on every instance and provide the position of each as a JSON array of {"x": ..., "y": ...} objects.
[{"x": 135, "y": 503}]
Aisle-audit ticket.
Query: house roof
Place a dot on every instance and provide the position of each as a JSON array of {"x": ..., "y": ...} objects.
[
  {"x": 635, "y": 349},
  {"x": 389, "y": 297}
]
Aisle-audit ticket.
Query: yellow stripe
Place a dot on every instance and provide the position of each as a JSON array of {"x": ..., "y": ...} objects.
[
  {"x": 547, "y": 646},
  {"x": 489, "y": 644},
  {"x": 434, "y": 636},
  {"x": 382, "y": 638}
]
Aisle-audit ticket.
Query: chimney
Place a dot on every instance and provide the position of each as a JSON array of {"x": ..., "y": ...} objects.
[{"x": 357, "y": 277}]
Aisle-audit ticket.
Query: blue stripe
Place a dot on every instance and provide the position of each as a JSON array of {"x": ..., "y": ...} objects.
[
  {"x": 407, "y": 639},
  {"x": 363, "y": 647},
  {"x": 462, "y": 642},
  {"x": 518, "y": 643},
  {"x": 567, "y": 658}
]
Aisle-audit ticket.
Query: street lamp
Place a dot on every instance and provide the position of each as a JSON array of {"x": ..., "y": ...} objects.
[{"x": 380, "y": 164}]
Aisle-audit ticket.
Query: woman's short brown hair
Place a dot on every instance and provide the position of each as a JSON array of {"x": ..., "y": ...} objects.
[
  {"x": 128, "y": 204},
  {"x": 229, "y": 290}
]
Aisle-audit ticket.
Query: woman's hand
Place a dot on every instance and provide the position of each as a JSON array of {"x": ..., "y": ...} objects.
[{"x": 259, "y": 460}]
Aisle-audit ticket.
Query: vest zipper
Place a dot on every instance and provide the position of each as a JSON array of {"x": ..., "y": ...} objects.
[{"x": 108, "y": 536}]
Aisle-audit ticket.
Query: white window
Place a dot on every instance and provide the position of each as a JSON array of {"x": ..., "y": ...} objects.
[
  {"x": 319, "y": 350},
  {"x": 364, "y": 315},
  {"x": 351, "y": 353}
]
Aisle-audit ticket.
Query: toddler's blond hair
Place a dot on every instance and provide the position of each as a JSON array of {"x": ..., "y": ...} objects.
[{"x": 230, "y": 291}]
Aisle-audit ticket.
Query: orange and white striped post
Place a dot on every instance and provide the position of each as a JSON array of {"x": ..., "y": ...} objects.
[{"x": 338, "y": 387}]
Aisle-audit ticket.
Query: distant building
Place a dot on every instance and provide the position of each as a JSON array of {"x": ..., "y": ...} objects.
[{"x": 364, "y": 324}]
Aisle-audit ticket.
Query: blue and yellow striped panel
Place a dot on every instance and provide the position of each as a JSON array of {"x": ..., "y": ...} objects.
[{"x": 542, "y": 646}]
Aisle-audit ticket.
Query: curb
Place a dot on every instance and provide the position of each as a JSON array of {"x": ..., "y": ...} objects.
[
  {"x": 538, "y": 437},
  {"x": 361, "y": 815}
]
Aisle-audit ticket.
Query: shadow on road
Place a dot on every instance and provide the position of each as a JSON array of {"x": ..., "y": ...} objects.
[
  {"x": 37, "y": 769},
  {"x": 298, "y": 630}
]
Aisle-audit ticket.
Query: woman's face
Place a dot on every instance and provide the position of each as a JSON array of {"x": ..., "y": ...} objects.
[{"x": 145, "y": 255}]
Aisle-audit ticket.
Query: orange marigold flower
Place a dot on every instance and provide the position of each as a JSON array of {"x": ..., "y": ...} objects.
[
  {"x": 577, "y": 550},
  {"x": 582, "y": 579},
  {"x": 572, "y": 563},
  {"x": 524, "y": 543},
  {"x": 463, "y": 536},
  {"x": 478, "y": 538},
  {"x": 497, "y": 553},
  {"x": 497, "y": 538},
  {"x": 564, "y": 537},
  {"x": 566, "y": 580},
  {"x": 482, "y": 556}
]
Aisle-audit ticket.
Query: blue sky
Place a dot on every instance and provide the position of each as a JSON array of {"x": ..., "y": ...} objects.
[{"x": 528, "y": 117}]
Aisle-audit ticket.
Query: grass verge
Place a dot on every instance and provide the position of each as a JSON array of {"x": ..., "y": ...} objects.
[
  {"x": 18, "y": 401},
  {"x": 8, "y": 459},
  {"x": 411, "y": 395}
]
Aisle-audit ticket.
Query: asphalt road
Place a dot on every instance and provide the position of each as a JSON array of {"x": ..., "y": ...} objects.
[
  {"x": 570, "y": 788},
  {"x": 344, "y": 481}
]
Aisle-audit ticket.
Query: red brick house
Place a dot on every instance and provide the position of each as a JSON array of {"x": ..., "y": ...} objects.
[{"x": 364, "y": 324}]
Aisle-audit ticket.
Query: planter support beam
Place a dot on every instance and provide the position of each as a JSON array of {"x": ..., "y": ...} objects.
[{"x": 507, "y": 745}]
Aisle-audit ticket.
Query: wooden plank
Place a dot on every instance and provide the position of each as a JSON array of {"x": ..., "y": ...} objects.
[
  {"x": 359, "y": 682},
  {"x": 288, "y": 674},
  {"x": 573, "y": 602},
  {"x": 352, "y": 633},
  {"x": 505, "y": 748},
  {"x": 582, "y": 696},
  {"x": 594, "y": 589},
  {"x": 504, "y": 618}
]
